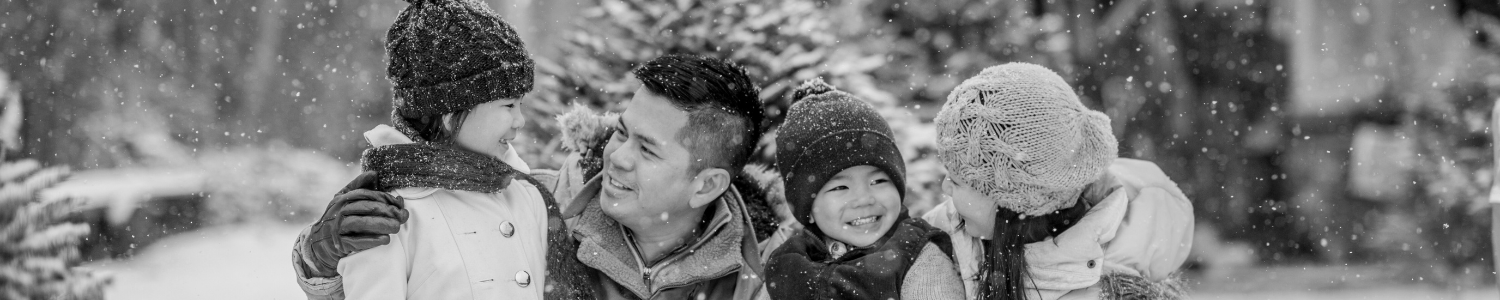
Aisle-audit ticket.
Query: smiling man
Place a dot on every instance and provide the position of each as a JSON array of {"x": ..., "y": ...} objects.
[
  {"x": 665, "y": 222},
  {"x": 662, "y": 219}
]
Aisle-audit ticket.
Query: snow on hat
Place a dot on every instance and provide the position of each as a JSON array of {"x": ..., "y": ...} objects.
[
  {"x": 827, "y": 131},
  {"x": 1017, "y": 133},
  {"x": 450, "y": 55}
]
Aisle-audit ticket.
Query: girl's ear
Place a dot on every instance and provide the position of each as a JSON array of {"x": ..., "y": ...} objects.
[{"x": 453, "y": 122}]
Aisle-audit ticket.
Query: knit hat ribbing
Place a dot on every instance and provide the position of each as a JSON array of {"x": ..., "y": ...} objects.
[
  {"x": 1017, "y": 133},
  {"x": 450, "y": 55},
  {"x": 827, "y": 131}
]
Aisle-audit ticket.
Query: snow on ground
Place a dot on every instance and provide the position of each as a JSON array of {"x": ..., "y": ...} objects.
[
  {"x": 229, "y": 263},
  {"x": 1368, "y": 281},
  {"x": 254, "y": 262},
  {"x": 1393, "y": 293}
]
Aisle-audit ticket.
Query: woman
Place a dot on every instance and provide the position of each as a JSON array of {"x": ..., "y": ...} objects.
[{"x": 1038, "y": 205}]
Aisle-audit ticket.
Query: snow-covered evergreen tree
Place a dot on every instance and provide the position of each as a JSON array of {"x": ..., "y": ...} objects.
[
  {"x": 780, "y": 43},
  {"x": 38, "y": 250}
]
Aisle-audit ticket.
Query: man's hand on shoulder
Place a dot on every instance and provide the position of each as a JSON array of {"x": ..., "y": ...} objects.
[{"x": 359, "y": 217}]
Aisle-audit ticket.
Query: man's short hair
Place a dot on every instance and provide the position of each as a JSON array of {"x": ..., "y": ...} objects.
[{"x": 723, "y": 106}]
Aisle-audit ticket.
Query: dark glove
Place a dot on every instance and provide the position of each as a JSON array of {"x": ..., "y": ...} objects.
[{"x": 359, "y": 217}]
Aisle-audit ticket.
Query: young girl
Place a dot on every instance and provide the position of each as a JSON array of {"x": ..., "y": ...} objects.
[
  {"x": 480, "y": 228},
  {"x": 845, "y": 179},
  {"x": 1031, "y": 212}
]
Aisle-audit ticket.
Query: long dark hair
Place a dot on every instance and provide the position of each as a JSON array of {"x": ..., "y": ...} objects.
[
  {"x": 1003, "y": 268},
  {"x": 431, "y": 128}
]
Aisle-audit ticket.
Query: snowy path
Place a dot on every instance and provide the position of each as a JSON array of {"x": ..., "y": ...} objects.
[
  {"x": 229, "y": 263},
  {"x": 1328, "y": 282},
  {"x": 253, "y": 262}
]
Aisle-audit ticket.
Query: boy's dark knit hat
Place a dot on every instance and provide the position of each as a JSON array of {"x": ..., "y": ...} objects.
[
  {"x": 827, "y": 131},
  {"x": 450, "y": 55}
]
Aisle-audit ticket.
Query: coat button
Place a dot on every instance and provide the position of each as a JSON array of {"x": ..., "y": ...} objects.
[
  {"x": 506, "y": 229},
  {"x": 1092, "y": 264},
  {"x": 523, "y": 279}
]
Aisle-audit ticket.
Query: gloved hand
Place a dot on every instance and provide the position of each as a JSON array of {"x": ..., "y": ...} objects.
[{"x": 360, "y": 217}]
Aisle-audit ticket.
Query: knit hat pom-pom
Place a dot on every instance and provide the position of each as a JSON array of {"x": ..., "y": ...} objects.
[{"x": 811, "y": 87}]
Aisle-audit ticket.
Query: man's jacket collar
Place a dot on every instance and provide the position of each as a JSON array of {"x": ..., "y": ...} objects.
[{"x": 603, "y": 247}]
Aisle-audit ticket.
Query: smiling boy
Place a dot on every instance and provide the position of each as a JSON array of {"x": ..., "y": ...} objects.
[{"x": 845, "y": 178}]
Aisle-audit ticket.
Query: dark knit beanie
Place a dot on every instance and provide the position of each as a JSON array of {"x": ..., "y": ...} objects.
[
  {"x": 827, "y": 131},
  {"x": 450, "y": 55}
]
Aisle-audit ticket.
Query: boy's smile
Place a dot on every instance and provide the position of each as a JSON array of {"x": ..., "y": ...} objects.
[{"x": 857, "y": 206}]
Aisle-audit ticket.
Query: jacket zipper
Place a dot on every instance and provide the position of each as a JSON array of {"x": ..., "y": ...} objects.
[
  {"x": 646, "y": 276},
  {"x": 715, "y": 276},
  {"x": 648, "y": 272},
  {"x": 641, "y": 264}
]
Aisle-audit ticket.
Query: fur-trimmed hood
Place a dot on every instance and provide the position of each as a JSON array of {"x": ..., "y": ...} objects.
[{"x": 586, "y": 133}]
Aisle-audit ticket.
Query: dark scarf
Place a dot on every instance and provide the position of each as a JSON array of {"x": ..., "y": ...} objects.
[
  {"x": 429, "y": 165},
  {"x": 432, "y": 165},
  {"x": 802, "y": 268}
]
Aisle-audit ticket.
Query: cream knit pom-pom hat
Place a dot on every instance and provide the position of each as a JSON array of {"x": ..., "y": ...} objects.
[{"x": 1017, "y": 133}]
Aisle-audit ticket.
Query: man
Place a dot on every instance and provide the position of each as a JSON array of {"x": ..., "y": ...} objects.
[{"x": 661, "y": 220}]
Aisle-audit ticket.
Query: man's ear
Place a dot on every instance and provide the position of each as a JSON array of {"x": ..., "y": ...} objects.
[{"x": 708, "y": 186}]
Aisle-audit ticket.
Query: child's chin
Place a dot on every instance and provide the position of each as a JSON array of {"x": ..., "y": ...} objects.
[{"x": 858, "y": 239}]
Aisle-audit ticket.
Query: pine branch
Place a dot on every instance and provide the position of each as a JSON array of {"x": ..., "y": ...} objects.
[
  {"x": 52, "y": 238},
  {"x": 12, "y": 171},
  {"x": 37, "y": 254}
]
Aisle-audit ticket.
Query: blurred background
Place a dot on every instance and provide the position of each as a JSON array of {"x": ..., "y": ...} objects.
[{"x": 157, "y": 149}]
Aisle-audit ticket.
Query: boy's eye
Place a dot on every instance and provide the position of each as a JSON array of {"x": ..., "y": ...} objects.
[
  {"x": 837, "y": 188},
  {"x": 880, "y": 181},
  {"x": 512, "y": 105},
  {"x": 618, "y": 136}
]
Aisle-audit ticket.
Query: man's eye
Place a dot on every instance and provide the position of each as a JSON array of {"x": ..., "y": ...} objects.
[{"x": 618, "y": 136}]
